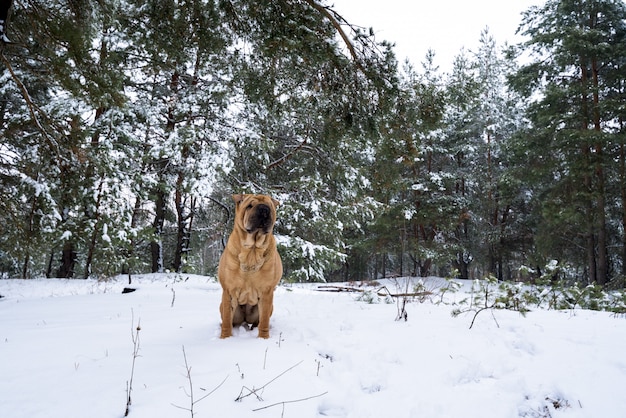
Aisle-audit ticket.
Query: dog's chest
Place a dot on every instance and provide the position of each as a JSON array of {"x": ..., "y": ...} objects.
[{"x": 247, "y": 294}]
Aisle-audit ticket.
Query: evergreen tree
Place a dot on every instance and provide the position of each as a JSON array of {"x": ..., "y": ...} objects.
[
  {"x": 127, "y": 122},
  {"x": 411, "y": 177},
  {"x": 496, "y": 113},
  {"x": 182, "y": 52},
  {"x": 462, "y": 89},
  {"x": 310, "y": 111},
  {"x": 577, "y": 48},
  {"x": 66, "y": 81}
]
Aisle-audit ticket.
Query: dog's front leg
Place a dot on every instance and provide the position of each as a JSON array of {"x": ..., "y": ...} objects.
[
  {"x": 266, "y": 306},
  {"x": 227, "y": 313}
]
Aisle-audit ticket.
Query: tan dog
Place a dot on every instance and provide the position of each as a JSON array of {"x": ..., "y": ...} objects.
[{"x": 250, "y": 267}]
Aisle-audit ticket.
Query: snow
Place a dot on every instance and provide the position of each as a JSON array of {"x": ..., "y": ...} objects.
[{"x": 66, "y": 350}]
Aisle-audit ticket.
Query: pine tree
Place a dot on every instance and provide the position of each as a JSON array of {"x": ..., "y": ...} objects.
[
  {"x": 64, "y": 104},
  {"x": 179, "y": 71},
  {"x": 309, "y": 122},
  {"x": 462, "y": 88},
  {"x": 497, "y": 116},
  {"x": 129, "y": 122},
  {"x": 577, "y": 49},
  {"x": 412, "y": 178}
]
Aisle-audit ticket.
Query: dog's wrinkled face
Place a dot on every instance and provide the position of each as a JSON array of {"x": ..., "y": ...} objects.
[{"x": 255, "y": 213}]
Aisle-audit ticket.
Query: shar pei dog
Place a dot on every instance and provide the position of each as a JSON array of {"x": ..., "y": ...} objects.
[{"x": 250, "y": 267}]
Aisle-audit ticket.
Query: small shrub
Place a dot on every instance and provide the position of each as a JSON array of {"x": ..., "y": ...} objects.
[{"x": 490, "y": 295}]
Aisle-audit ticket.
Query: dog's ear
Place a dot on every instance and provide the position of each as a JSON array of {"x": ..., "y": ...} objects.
[
  {"x": 238, "y": 198},
  {"x": 275, "y": 202}
]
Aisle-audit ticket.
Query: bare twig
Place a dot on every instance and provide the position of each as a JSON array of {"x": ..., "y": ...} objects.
[
  {"x": 256, "y": 391},
  {"x": 190, "y": 394},
  {"x": 129, "y": 383},
  {"x": 401, "y": 304},
  {"x": 293, "y": 401},
  {"x": 402, "y": 313},
  {"x": 479, "y": 310}
]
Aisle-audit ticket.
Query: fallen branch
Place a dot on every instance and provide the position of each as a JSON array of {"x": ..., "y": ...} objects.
[
  {"x": 329, "y": 288},
  {"x": 383, "y": 291},
  {"x": 286, "y": 402}
]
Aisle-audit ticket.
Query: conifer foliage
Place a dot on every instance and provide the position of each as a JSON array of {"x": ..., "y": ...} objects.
[
  {"x": 126, "y": 125},
  {"x": 576, "y": 142}
]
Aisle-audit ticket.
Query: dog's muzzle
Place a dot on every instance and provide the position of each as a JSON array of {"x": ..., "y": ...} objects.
[{"x": 260, "y": 219}]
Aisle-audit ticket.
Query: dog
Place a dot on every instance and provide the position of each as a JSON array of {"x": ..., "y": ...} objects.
[{"x": 250, "y": 266}]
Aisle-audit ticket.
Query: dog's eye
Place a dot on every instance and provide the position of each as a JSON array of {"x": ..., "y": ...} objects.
[{"x": 249, "y": 206}]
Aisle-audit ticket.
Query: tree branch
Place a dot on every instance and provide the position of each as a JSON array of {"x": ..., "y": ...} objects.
[
  {"x": 32, "y": 107},
  {"x": 288, "y": 156},
  {"x": 334, "y": 19},
  {"x": 382, "y": 291}
]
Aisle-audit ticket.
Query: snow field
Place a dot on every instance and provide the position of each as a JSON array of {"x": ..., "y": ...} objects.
[{"x": 66, "y": 350}]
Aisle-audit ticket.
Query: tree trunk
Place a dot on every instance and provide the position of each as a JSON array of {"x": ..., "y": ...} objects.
[
  {"x": 462, "y": 266},
  {"x": 96, "y": 232},
  {"x": 590, "y": 239},
  {"x": 50, "y": 264},
  {"x": 180, "y": 223},
  {"x": 68, "y": 261},
  {"x": 623, "y": 192},
  {"x": 156, "y": 246},
  {"x": 591, "y": 250},
  {"x": 184, "y": 229},
  {"x": 384, "y": 266},
  {"x": 590, "y": 235},
  {"x": 30, "y": 231},
  {"x": 501, "y": 240},
  {"x": 126, "y": 268},
  {"x": 603, "y": 259},
  {"x": 25, "y": 266},
  {"x": 375, "y": 267},
  {"x": 462, "y": 230}
]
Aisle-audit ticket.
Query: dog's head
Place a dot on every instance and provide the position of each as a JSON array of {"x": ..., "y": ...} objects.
[{"x": 255, "y": 213}]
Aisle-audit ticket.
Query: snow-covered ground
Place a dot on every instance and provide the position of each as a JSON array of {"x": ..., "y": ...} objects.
[{"x": 66, "y": 350}]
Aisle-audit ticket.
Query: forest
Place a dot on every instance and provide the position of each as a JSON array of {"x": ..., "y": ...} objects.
[{"x": 127, "y": 125}]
